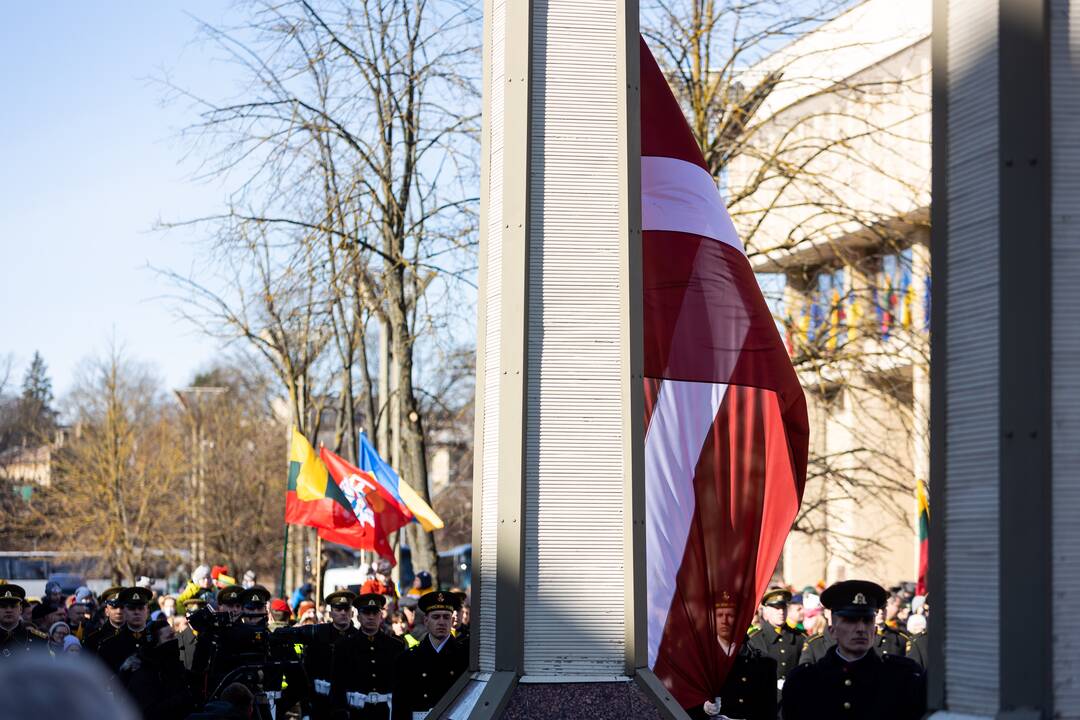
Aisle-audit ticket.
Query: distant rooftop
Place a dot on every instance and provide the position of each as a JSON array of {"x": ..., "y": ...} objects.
[{"x": 860, "y": 37}]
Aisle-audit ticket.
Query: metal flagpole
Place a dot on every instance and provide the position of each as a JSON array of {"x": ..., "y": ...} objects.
[
  {"x": 318, "y": 574},
  {"x": 284, "y": 559}
]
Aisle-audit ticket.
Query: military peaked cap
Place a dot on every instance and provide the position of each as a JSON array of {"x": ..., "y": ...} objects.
[
  {"x": 340, "y": 600},
  {"x": 440, "y": 600},
  {"x": 776, "y": 597},
  {"x": 854, "y": 598},
  {"x": 109, "y": 596},
  {"x": 134, "y": 596},
  {"x": 254, "y": 594},
  {"x": 229, "y": 594},
  {"x": 12, "y": 592},
  {"x": 369, "y": 601}
]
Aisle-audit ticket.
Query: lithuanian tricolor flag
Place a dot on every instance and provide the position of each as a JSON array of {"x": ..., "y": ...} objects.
[
  {"x": 924, "y": 536},
  {"x": 312, "y": 498}
]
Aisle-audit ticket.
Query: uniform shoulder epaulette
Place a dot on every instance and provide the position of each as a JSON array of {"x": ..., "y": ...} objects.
[
  {"x": 36, "y": 633},
  {"x": 754, "y": 630},
  {"x": 810, "y": 639}
]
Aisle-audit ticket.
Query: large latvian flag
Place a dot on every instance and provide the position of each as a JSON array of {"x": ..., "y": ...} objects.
[
  {"x": 377, "y": 511},
  {"x": 924, "y": 536},
  {"x": 726, "y": 426}
]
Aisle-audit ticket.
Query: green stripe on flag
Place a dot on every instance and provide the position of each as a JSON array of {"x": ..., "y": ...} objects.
[{"x": 294, "y": 472}]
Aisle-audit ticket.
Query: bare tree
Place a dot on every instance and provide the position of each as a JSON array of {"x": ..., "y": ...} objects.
[
  {"x": 241, "y": 468},
  {"x": 353, "y": 141},
  {"x": 117, "y": 485}
]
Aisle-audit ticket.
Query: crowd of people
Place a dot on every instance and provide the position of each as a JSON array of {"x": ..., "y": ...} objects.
[
  {"x": 225, "y": 649},
  {"x": 853, "y": 650},
  {"x": 222, "y": 649}
]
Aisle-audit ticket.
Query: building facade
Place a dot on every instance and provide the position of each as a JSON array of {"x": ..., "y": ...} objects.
[{"x": 834, "y": 206}]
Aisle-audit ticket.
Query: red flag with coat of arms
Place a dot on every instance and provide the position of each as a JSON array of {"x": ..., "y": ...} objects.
[{"x": 377, "y": 511}]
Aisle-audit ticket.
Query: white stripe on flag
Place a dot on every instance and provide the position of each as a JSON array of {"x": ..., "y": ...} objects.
[
  {"x": 680, "y": 424},
  {"x": 681, "y": 196}
]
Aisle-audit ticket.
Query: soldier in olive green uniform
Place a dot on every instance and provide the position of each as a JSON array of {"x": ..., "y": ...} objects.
[
  {"x": 918, "y": 649},
  {"x": 362, "y": 676},
  {"x": 16, "y": 636},
  {"x": 133, "y": 636},
  {"x": 424, "y": 673},
  {"x": 891, "y": 640},
  {"x": 816, "y": 645},
  {"x": 853, "y": 681},
  {"x": 776, "y": 639}
]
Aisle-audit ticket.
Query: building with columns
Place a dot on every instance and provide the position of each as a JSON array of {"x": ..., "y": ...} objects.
[{"x": 834, "y": 206}]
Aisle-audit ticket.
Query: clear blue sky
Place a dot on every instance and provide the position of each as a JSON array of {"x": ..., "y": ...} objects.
[{"x": 90, "y": 163}]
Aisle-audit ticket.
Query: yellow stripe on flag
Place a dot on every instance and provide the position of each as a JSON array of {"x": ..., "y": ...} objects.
[
  {"x": 311, "y": 480},
  {"x": 420, "y": 509}
]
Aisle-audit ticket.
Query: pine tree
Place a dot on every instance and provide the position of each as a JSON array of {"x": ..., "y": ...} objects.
[
  {"x": 37, "y": 419},
  {"x": 36, "y": 383}
]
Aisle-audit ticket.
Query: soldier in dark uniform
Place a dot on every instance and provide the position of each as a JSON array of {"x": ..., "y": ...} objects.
[
  {"x": 424, "y": 673},
  {"x": 852, "y": 681},
  {"x": 776, "y": 639},
  {"x": 133, "y": 636},
  {"x": 362, "y": 676},
  {"x": 748, "y": 691},
  {"x": 16, "y": 636},
  {"x": 228, "y": 601},
  {"x": 816, "y": 645},
  {"x": 113, "y": 621},
  {"x": 320, "y": 643},
  {"x": 241, "y": 639}
]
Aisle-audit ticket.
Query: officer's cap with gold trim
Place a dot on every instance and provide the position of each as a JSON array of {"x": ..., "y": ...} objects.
[
  {"x": 12, "y": 592},
  {"x": 109, "y": 596},
  {"x": 230, "y": 594},
  {"x": 776, "y": 597},
  {"x": 340, "y": 600},
  {"x": 854, "y": 598},
  {"x": 440, "y": 600},
  {"x": 369, "y": 602},
  {"x": 254, "y": 595},
  {"x": 134, "y": 596},
  {"x": 725, "y": 600},
  {"x": 195, "y": 603}
]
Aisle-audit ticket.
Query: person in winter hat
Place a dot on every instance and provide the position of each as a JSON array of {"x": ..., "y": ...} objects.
[{"x": 200, "y": 587}]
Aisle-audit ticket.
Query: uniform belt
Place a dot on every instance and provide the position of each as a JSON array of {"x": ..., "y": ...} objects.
[{"x": 359, "y": 699}]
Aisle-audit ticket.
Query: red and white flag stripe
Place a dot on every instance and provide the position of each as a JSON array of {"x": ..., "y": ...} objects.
[{"x": 726, "y": 426}]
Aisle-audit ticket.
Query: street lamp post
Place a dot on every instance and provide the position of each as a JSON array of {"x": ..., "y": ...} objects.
[{"x": 192, "y": 400}]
